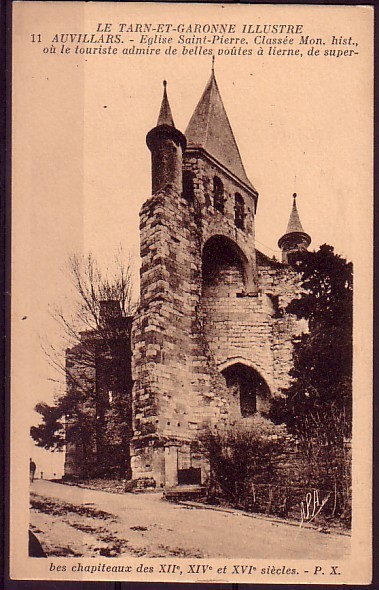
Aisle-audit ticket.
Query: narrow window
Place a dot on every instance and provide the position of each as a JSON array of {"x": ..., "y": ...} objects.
[
  {"x": 218, "y": 194},
  {"x": 239, "y": 211},
  {"x": 188, "y": 185}
]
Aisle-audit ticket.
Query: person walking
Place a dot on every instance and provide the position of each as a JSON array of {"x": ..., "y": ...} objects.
[{"x": 32, "y": 470}]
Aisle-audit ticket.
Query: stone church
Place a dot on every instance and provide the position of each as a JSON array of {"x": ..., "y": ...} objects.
[{"x": 211, "y": 341}]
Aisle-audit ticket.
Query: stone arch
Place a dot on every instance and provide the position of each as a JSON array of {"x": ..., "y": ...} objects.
[
  {"x": 227, "y": 231},
  {"x": 248, "y": 388},
  {"x": 244, "y": 361},
  {"x": 221, "y": 253}
]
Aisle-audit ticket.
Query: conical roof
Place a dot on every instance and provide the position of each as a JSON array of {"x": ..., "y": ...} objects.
[
  {"x": 165, "y": 126},
  {"x": 294, "y": 223},
  {"x": 294, "y": 226},
  {"x": 210, "y": 129},
  {"x": 165, "y": 115}
]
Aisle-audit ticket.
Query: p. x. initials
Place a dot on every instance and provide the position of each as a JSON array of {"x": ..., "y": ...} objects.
[{"x": 332, "y": 572}]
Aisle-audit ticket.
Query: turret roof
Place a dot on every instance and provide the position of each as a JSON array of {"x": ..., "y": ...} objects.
[
  {"x": 210, "y": 129},
  {"x": 294, "y": 223},
  {"x": 165, "y": 115}
]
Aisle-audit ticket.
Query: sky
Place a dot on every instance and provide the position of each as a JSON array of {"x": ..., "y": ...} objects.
[{"x": 81, "y": 168}]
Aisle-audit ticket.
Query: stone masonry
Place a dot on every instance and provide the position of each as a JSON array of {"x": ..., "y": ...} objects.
[{"x": 211, "y": 340}]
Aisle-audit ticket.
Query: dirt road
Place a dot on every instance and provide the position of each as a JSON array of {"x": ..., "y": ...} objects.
[{"x": 74, "y": 521}]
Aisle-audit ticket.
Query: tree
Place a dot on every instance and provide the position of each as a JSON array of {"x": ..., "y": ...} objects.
[
  {"x": 317, "y": 406},
  {"x": 91, "y": 286},
  {"x": 93, "y": 416}
]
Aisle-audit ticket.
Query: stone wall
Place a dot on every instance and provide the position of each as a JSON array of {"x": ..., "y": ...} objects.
[
  {"x": 166, "y": 353},
  {"x": 279, "y": 285},
  {"x": 252, "y": 330},
  {"x": 208, "y": 301}
]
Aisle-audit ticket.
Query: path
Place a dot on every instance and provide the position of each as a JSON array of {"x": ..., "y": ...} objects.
[{"x": 76, "y": 521}]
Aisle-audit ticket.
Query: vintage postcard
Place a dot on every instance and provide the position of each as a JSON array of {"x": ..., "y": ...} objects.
[{"x": 192, "y": 219}]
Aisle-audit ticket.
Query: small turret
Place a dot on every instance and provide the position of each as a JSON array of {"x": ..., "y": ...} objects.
[
  {"x": 167, "y": 145},
  {"x": 295, "y": 239}
]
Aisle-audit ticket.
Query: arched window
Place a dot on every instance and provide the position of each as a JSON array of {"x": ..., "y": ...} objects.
[
  {"x": 218, "y": 194},
  {"x": 239, "y": 211}
]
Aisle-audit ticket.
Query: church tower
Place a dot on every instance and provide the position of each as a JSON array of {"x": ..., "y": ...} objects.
[
  {"x": 227, "y": 198},
  {"x": 295, "y": 239},
  {"x": 211, "y": 343}
]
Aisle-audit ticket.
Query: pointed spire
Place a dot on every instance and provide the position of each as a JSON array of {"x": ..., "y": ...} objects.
[
  {"x": 210, "y": 129},
  {"x": 295, "y": 239},
  {"x": 294, "y": 223},
  {"x": 165, "y": 115},
  {"x": 167, "y": 145}
]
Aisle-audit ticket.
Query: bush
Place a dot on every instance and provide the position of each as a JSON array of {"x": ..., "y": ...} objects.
[
  {"x": 257, "y": 466},
  {"x": 250, "y": 452}
]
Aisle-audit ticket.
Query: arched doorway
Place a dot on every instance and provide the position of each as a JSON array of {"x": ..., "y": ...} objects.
[{"x": 248, "y": 389}]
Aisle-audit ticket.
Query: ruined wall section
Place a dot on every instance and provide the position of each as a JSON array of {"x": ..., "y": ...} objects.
[
  {"x": 239, "y": 329},
  {"x": 255, "y": 330},
  {"x": 280, "y": 283}
]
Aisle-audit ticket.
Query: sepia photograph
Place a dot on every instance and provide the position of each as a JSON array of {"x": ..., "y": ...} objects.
[{"x": 192, "y": 216}]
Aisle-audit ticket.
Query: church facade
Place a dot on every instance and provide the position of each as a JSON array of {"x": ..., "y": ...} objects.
[{"x": 211, "y": 341}]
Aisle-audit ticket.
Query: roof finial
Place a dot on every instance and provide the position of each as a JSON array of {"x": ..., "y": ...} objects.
[
  {"x": 165, "y": 116},
  {"x": 213, "y": 64},
  {"x": 294, "y": 196}
]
